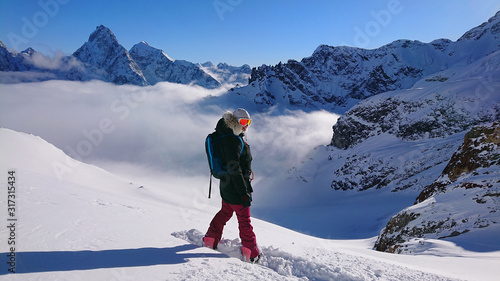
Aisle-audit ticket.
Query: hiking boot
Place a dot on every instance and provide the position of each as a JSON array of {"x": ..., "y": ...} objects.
[
  {"x": 245, "y": 252},
  {"x": 209, "y": 242},
  {"x": 256, "y": 259}
]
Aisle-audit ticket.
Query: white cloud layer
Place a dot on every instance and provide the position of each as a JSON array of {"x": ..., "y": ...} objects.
[{"x": 162, "y": 127}]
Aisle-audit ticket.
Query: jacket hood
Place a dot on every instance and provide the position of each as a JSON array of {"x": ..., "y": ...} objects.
[{"x": 232, "y": 123}]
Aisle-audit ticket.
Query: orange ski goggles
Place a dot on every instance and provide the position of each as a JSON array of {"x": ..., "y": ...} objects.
[{"x": 245, "y": 122}]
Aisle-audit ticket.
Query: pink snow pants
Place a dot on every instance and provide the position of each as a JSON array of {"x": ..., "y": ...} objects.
[{"x": 247, "y": 235}]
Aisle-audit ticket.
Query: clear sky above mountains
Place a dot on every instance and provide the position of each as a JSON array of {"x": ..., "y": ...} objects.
[{"x": 237, "y": 31}]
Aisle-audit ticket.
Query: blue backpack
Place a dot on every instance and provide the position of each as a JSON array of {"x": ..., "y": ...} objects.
[{"x": 213, "y": 148}]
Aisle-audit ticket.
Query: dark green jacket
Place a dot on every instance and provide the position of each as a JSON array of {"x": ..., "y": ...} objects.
[{"x": 235, "y": 186}]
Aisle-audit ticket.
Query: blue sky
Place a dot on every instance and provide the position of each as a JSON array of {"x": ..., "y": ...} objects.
[{"x": 237, "y": 31}]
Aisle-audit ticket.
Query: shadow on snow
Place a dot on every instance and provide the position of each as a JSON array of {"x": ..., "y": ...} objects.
[{"x": 32, "y": 262}]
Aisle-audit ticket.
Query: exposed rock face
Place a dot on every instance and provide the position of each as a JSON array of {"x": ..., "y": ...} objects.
[
  {"x": 398, "y": 138},
  {"x": 479, "y": 150},
  {"x": 335, "y": 78},
  {"x": 464, "y": 199},
  {"x": 443, "y": 118}
]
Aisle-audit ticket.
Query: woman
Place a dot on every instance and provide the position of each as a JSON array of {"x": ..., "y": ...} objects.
[{"x": 235, "y": 188}]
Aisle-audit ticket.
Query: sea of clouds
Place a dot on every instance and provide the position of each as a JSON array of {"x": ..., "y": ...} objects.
[{"x": 158, "y": 128}]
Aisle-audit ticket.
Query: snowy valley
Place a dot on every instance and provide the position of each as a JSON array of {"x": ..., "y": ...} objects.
[{"x": 103, "y": 154}]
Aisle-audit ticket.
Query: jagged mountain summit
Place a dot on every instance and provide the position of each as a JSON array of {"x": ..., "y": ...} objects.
[
  {"x": 103, "y": 54},
  {"x": 335, "y": 78},
  {"x": 157, "y": 66},
  {"x": 29, "y": 66},
  {"x": 102, "y": 57},
  {"x": 15, "y": 62},
  {"x": 236, "y": 76}
]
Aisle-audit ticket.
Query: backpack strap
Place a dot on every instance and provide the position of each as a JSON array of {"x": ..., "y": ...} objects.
[
  {"x": 210, "y": 186},
  {"x": 242, "y": 144}
]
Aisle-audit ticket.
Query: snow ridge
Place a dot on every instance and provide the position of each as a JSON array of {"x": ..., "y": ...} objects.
[
  {"x": 336, "y": 78},
  {"x": 102, "y": 57},
  {"x": 157, "y": 67}
]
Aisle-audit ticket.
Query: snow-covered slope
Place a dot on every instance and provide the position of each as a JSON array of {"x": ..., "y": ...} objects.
[
  {"x": 87, "y": 224},
  {"x": 335, "y": 78},
  {"x": 158, "y": 67}
]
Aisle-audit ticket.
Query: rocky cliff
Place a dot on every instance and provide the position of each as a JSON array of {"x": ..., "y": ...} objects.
[{"x": 463, "y": 201}]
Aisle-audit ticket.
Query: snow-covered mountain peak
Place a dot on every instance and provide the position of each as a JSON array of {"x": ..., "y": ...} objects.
[
  {"x": 102, "y": 57},
  {"x": 323, "y": 50},
  {"x": 489, "y": 28},
  {"x": 223, "y": 65},
  {"x": 142, "y": 46},
  {"x": 102, "y": 34},
  {"x": 207, "y": 64},
  {"x": 101, "y": 41},
  {"x": 29, "y": 52},
  {"x": 101, "y": 45},
  {"x": 157, "y": 66},
  {"x": 143, "y": 49},
  {"x": 110, "y": 60},
  {"x": 336, "y": 78},
  {"x": 234, "y": 76}
]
